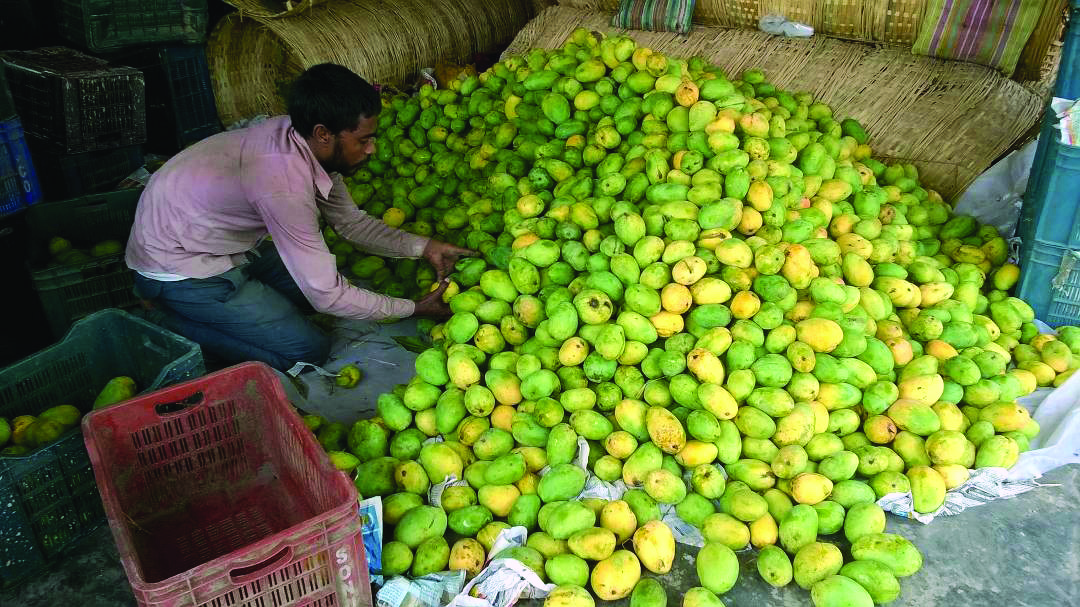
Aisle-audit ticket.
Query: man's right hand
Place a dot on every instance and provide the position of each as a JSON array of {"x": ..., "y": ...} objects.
[{"x": 432, "y": 305}]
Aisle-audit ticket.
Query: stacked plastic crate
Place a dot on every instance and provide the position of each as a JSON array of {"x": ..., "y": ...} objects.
[
  {"x": 85, "y": 119},
  {"x": 1049, "y": 224}
]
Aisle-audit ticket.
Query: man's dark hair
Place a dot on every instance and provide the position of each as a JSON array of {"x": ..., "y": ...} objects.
[{"x": 333, "y": 96}]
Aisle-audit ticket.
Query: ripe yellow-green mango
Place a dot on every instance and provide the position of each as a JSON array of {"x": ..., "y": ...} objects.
[
  {"x": 561, "y": 482},
  {"x": 566, "y": 518},
  {"x": 815, "y": 562},
  {"x": 798, "y": 528},
  {"x": 569, "y": 596},
  {"x": 664, "y": 486},
  {"x": 927, "y": 488},
  {"x": 953, "y": 474},
  {"x": 654, "y": 545},
  {"x": 997, "y": 451},
  {"x": 594, "y": 543},
  {"x": 914, "y": 416},
  {"x": 665, "y": 430},
  {"x": 839, "y": 591},
  {"x": 499, "y": 499},
  {"x": 397, "y": 558},
  {"x": 897, "y": 553},
  {"x": 717, "y": 567},
  {"x": 566, "y": 569},
  {"x": 774, "y": 566},
  {"x": 617, "y": 517},
  {"x": 795, "y": 428},
  {"x": 725, "y": 529},
  {"x": 420, "y": 524},
  {"x": 821, "y": 334},
  {"x": 489, "y": 533},
  {"x": 705, "y": 366},
  {"x": 696, "y": 453},
  {"x": 810, "y": 488},
  {"x": 614, "y": 578},
  {"x": 432, "y": 555},
  {"x": 924, "y": 389},
  {"x": 1006, "y": 417},
  {"x": 875, "y": 578},
  {"x": 648, "y": 593}
]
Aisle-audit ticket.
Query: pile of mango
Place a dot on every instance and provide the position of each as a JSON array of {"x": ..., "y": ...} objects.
[
  {"x": 64, "y": 253},
  {"x": 714, "y": 286},
  {"x": 25, "y": 434}
]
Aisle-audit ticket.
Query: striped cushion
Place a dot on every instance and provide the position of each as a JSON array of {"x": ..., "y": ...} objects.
[
  {"x": 655, "y": 15},
  {"x": 990, "y": 32}
]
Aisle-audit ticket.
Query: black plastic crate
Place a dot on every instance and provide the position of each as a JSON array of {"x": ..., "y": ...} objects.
[
  {"x": 19, "y": 185},
  {"x": 180, "y": 107},
  {"x": 50, "y": 498},
  {"x": 75, "y": 102},
  {"x": 103, "y": 25},
  {"x": 65, "y": 176},
  {"x": 69, "y": 292},
  {"x": 7, "y": 105}
]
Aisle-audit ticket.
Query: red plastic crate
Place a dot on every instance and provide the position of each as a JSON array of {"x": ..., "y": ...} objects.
[{"x": 217, "y": 495}]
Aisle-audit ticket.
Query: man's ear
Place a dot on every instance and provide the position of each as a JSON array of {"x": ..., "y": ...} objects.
[{"x": 322, "y": 134}]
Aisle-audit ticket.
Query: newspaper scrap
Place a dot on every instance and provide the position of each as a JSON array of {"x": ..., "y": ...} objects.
[
  {"x": 435, "y": 492},
  {"x": 503, "y": 581},
  {"x": 501, "y": 584},
  {"x": 684, "y": 532},
  {"x": 371, "y": 520},
  {"x": 985, "y": 485},
  {"x": 432, "y": 590},
  {"x": 508, "y": 538}
]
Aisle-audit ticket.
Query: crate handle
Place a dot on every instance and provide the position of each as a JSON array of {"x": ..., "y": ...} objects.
[
  {"x": 242, "y": 575},
  {"x": 178, "y": 406}
]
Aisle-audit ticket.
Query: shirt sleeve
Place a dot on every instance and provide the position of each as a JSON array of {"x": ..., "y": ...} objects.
[
  {"x": 367, "y": 233},
  {"x": 292, "y": 220}
]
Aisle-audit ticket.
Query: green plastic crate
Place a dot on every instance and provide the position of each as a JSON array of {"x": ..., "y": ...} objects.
[
  {"x": 50, "y": 499},
  {"x": 70, "y": 292},
  {"x": 102, "y": 25}
]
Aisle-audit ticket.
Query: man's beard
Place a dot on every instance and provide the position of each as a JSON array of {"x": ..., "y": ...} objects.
[{"x": 337, "y": 161}]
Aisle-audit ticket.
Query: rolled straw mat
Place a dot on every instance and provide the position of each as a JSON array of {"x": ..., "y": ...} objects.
[
  {"x": 950, "y": 119},
  {"x": 252, "y": 59}
]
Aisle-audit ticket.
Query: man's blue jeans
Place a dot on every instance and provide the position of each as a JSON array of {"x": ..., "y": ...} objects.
[{"x": 255, "y": 312}]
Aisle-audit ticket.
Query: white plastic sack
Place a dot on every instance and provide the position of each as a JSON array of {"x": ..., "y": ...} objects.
[
  {"x": 778, "y": 25},
  {"x": 996, "y": 196},
  {"x": 1058, "y": 443}
]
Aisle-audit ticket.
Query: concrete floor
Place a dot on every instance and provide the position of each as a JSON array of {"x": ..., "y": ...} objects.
[{"x": 1022, "y": 552}]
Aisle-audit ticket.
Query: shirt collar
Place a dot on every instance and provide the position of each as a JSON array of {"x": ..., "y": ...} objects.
[{"x": 323, "y": 181}]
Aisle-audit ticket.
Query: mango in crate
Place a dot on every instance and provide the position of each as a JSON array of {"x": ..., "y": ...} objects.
[
  {"x": 66, "y": 415},
  {"x": 58, "y": 246},
  {"x": 43, "y": 432},
  {"x": 19, "y": 425},
  {"x": 5, "y": 431},
  {"x": 106, "y": 248},
  {"x": 73, "y": 257},
  {"x": 118, "y": 389}
]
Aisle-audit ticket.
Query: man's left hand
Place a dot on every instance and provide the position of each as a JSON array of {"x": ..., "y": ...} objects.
[{"x": 443, "y": 256}]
